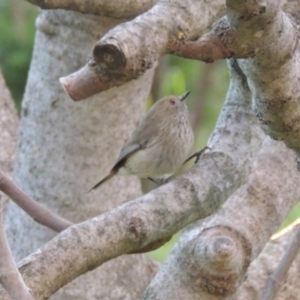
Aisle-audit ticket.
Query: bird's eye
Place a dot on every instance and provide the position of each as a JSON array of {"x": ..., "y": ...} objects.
[{"x": 172, "y": 101}]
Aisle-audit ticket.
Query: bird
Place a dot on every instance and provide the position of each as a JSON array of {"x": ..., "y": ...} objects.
[{"x": 159, "y": 145}]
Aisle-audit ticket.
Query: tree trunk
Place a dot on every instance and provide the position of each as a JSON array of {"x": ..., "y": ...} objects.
[{"x": 66, "y": 147}]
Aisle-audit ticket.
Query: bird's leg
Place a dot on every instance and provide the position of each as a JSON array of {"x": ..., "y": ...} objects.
[
  {"x": 197, "y": 155},
  {"x": 151, "y": 179},
  {"x": 167, "y": 179},
  {"x": 161, "y": 181}
]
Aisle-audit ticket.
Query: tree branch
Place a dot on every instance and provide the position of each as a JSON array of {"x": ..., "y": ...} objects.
[
  {"x": 265, "y": 263},
  {"x": 37, "y": 211},
  {"x": 113, "y": 9},
  {"x": 223, "y": 41},
  {"x": 212, "y": 256},
  {"x": 10, "y": 277},
  {"x": 273, "y": 72},
  {"x": 124, "y": 53},
  {"x": 219, "y": 43},
  {"x": 277, "y": 278}
]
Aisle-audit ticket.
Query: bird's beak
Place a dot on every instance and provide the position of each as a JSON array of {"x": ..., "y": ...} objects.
[{"x": 183, "y": 96}]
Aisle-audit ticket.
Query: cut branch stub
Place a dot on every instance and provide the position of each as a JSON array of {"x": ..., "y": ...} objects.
[
  {"x": 89, "y": 81},
  {"x": 220, "y": 255},
  {"x": 109, "y": 56},
  {"x": 130, "y": 49},
  {"x": 222, "y": 249}
]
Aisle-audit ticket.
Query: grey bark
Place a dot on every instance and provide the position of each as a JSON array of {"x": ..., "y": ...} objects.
[
  {"x": 212, "y": 257},
  {"x": 10, "y": 276},
  {"x": 9, "y": 127},
  {"x": 278, "y": 276},
  {"x": 108, "y": 8},
  {"x": 65, "y": 147},
  {"x": 38, "y": 212},
  {"x": 263, "y": 266}
]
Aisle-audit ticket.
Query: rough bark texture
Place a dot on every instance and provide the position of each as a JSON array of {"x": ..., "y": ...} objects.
[
  {"x": 279, "y": 275},
  {"x": 267, "y": 40},
  {"x": 108, "y": 8},
  {"x": 261, "y": 268},
  {"x": 10, "y": 277},
  {"x": 35, "y": 210},
  {"x": 271, "y": 73},
  {"x": 65, "y": 147},
  {"x": 211, "y": 259},
  {"x": 9, "y": 124}
]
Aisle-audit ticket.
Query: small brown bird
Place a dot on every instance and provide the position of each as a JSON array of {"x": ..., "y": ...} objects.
[{"x": 160, "y": 144}]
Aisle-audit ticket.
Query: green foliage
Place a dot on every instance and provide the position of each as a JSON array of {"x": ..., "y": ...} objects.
[
  {"x": 178, "y": 75},
  {"x": 162, "y": 253},
  {"x": 174, "y": 81},
  {"x": 16, "y": 42},
  {"x": 292, "y": 216}
]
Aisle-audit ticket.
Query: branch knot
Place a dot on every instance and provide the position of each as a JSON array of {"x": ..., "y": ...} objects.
[{"x": 109, "y": 56}]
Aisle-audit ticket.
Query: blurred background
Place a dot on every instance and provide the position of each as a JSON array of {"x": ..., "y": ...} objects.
[{"x": 208, "y": 83}]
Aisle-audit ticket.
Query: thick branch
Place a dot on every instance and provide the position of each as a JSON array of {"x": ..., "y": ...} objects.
[
  {"x": 247, "y": 31},
  {"x": 223, "y": 41},
  {"x": 124, "y": 53},
  {"x": 38, "y": 212},
  {"x": 273, "y": 72},
  {"x": 113, "y": 9},
  {"x": 10, "y": 276},
  {"x": 219, "y": 43},
  {"x": 212, "y": 257}
]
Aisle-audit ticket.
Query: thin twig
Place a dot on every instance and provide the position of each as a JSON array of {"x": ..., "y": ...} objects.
[
  {"x": 10, "y": 277},
  {"x": 276, "y": 279},
  {"x": 38, "y": 212}
]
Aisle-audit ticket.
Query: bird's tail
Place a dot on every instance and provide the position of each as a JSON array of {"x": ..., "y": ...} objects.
[{"x": 111, "y": 174}]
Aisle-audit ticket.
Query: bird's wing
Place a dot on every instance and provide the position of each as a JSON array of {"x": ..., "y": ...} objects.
[
  {"x": 143, "y": 134},
  {"x": 125, "y": 153},
  {"x": 147, "y": 131}
]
